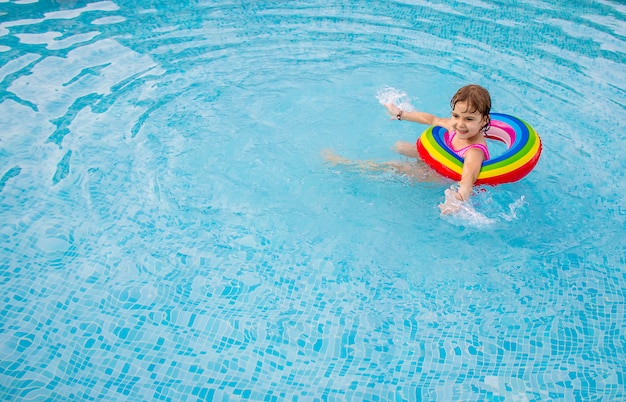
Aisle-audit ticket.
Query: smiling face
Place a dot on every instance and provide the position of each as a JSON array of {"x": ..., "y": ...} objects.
[{"x": 467, "y": 124}]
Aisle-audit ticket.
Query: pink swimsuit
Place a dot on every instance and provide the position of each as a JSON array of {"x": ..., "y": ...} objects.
[{"x": 448, "y": 139}]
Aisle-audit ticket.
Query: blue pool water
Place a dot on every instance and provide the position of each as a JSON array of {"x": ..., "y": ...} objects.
[{"x": 169, "y": 230}]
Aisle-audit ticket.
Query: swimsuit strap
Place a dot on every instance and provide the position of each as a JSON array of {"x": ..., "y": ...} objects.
[
  {"x": 483, "y": 148},
  {"x": 449, "y": 136}
]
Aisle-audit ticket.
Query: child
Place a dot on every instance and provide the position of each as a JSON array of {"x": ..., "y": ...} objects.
[{"x": 466, "y": 137}]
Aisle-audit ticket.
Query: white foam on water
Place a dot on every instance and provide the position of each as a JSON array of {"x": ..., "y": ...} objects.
[{"x": 389, "y": 94}]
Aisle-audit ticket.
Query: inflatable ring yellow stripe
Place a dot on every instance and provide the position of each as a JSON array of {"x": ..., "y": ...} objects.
[
  {"x": 515, "y": 161},
  {"x": 488, "y": 173}
]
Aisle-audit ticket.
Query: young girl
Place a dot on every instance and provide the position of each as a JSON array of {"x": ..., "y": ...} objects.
[{"x": 466, "y": 137}]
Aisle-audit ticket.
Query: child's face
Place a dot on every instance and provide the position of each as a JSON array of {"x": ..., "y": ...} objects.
[{"x": 467, "y": 125}]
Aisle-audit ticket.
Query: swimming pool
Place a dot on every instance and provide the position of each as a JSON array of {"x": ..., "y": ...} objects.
[{"x": 170, "y": 231}]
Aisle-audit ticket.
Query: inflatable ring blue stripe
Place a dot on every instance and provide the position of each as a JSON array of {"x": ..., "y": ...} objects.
[
  {"x": 521, "y": 137},
  {"x": 438, "y": 134}
]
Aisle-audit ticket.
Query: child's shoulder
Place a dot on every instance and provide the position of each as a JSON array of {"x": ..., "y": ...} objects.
[{"x": 444, "y": 122}]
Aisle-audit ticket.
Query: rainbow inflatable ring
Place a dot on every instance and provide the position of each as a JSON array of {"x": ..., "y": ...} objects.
[{"x": 522, "y": 141}]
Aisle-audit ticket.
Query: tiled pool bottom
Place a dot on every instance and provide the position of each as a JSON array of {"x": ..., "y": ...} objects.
[
  {"x": 169, "y": 230},
  {"x": 307, "y": 331}
]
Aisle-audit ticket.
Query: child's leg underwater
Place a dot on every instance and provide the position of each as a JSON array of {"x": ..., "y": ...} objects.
[
  {"x": 407, "y": 149},
  {"x": 415, "y": 169}
]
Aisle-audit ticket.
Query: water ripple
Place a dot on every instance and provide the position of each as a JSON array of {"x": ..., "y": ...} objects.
[{"x": 168, "y": 227}]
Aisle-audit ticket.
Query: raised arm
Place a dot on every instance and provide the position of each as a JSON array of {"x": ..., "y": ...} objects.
[{"x": 416, "y": 117}]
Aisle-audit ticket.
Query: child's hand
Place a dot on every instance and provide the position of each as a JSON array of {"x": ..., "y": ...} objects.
[
  {"x": 453, "y": 202},
  {"x": 393, "y": 110},
  {"x": 463, "y": 193}
]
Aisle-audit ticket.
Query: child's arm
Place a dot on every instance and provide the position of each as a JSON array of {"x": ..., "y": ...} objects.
[
  {"x": 416, "y": 117},
  {"x": 472, "y": 163},
  {"x": 471, "y": 169}
]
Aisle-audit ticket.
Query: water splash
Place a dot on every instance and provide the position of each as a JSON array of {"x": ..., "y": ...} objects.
[
  {"x": 462, "y": 213},
  {"x": 513, "y": 208},
  {"x": 388, "y": 94},
  {"x": 486, "y": 208}
]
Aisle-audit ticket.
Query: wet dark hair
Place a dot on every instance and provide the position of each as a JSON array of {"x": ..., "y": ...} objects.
[{"x": 477, "y": 99}]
